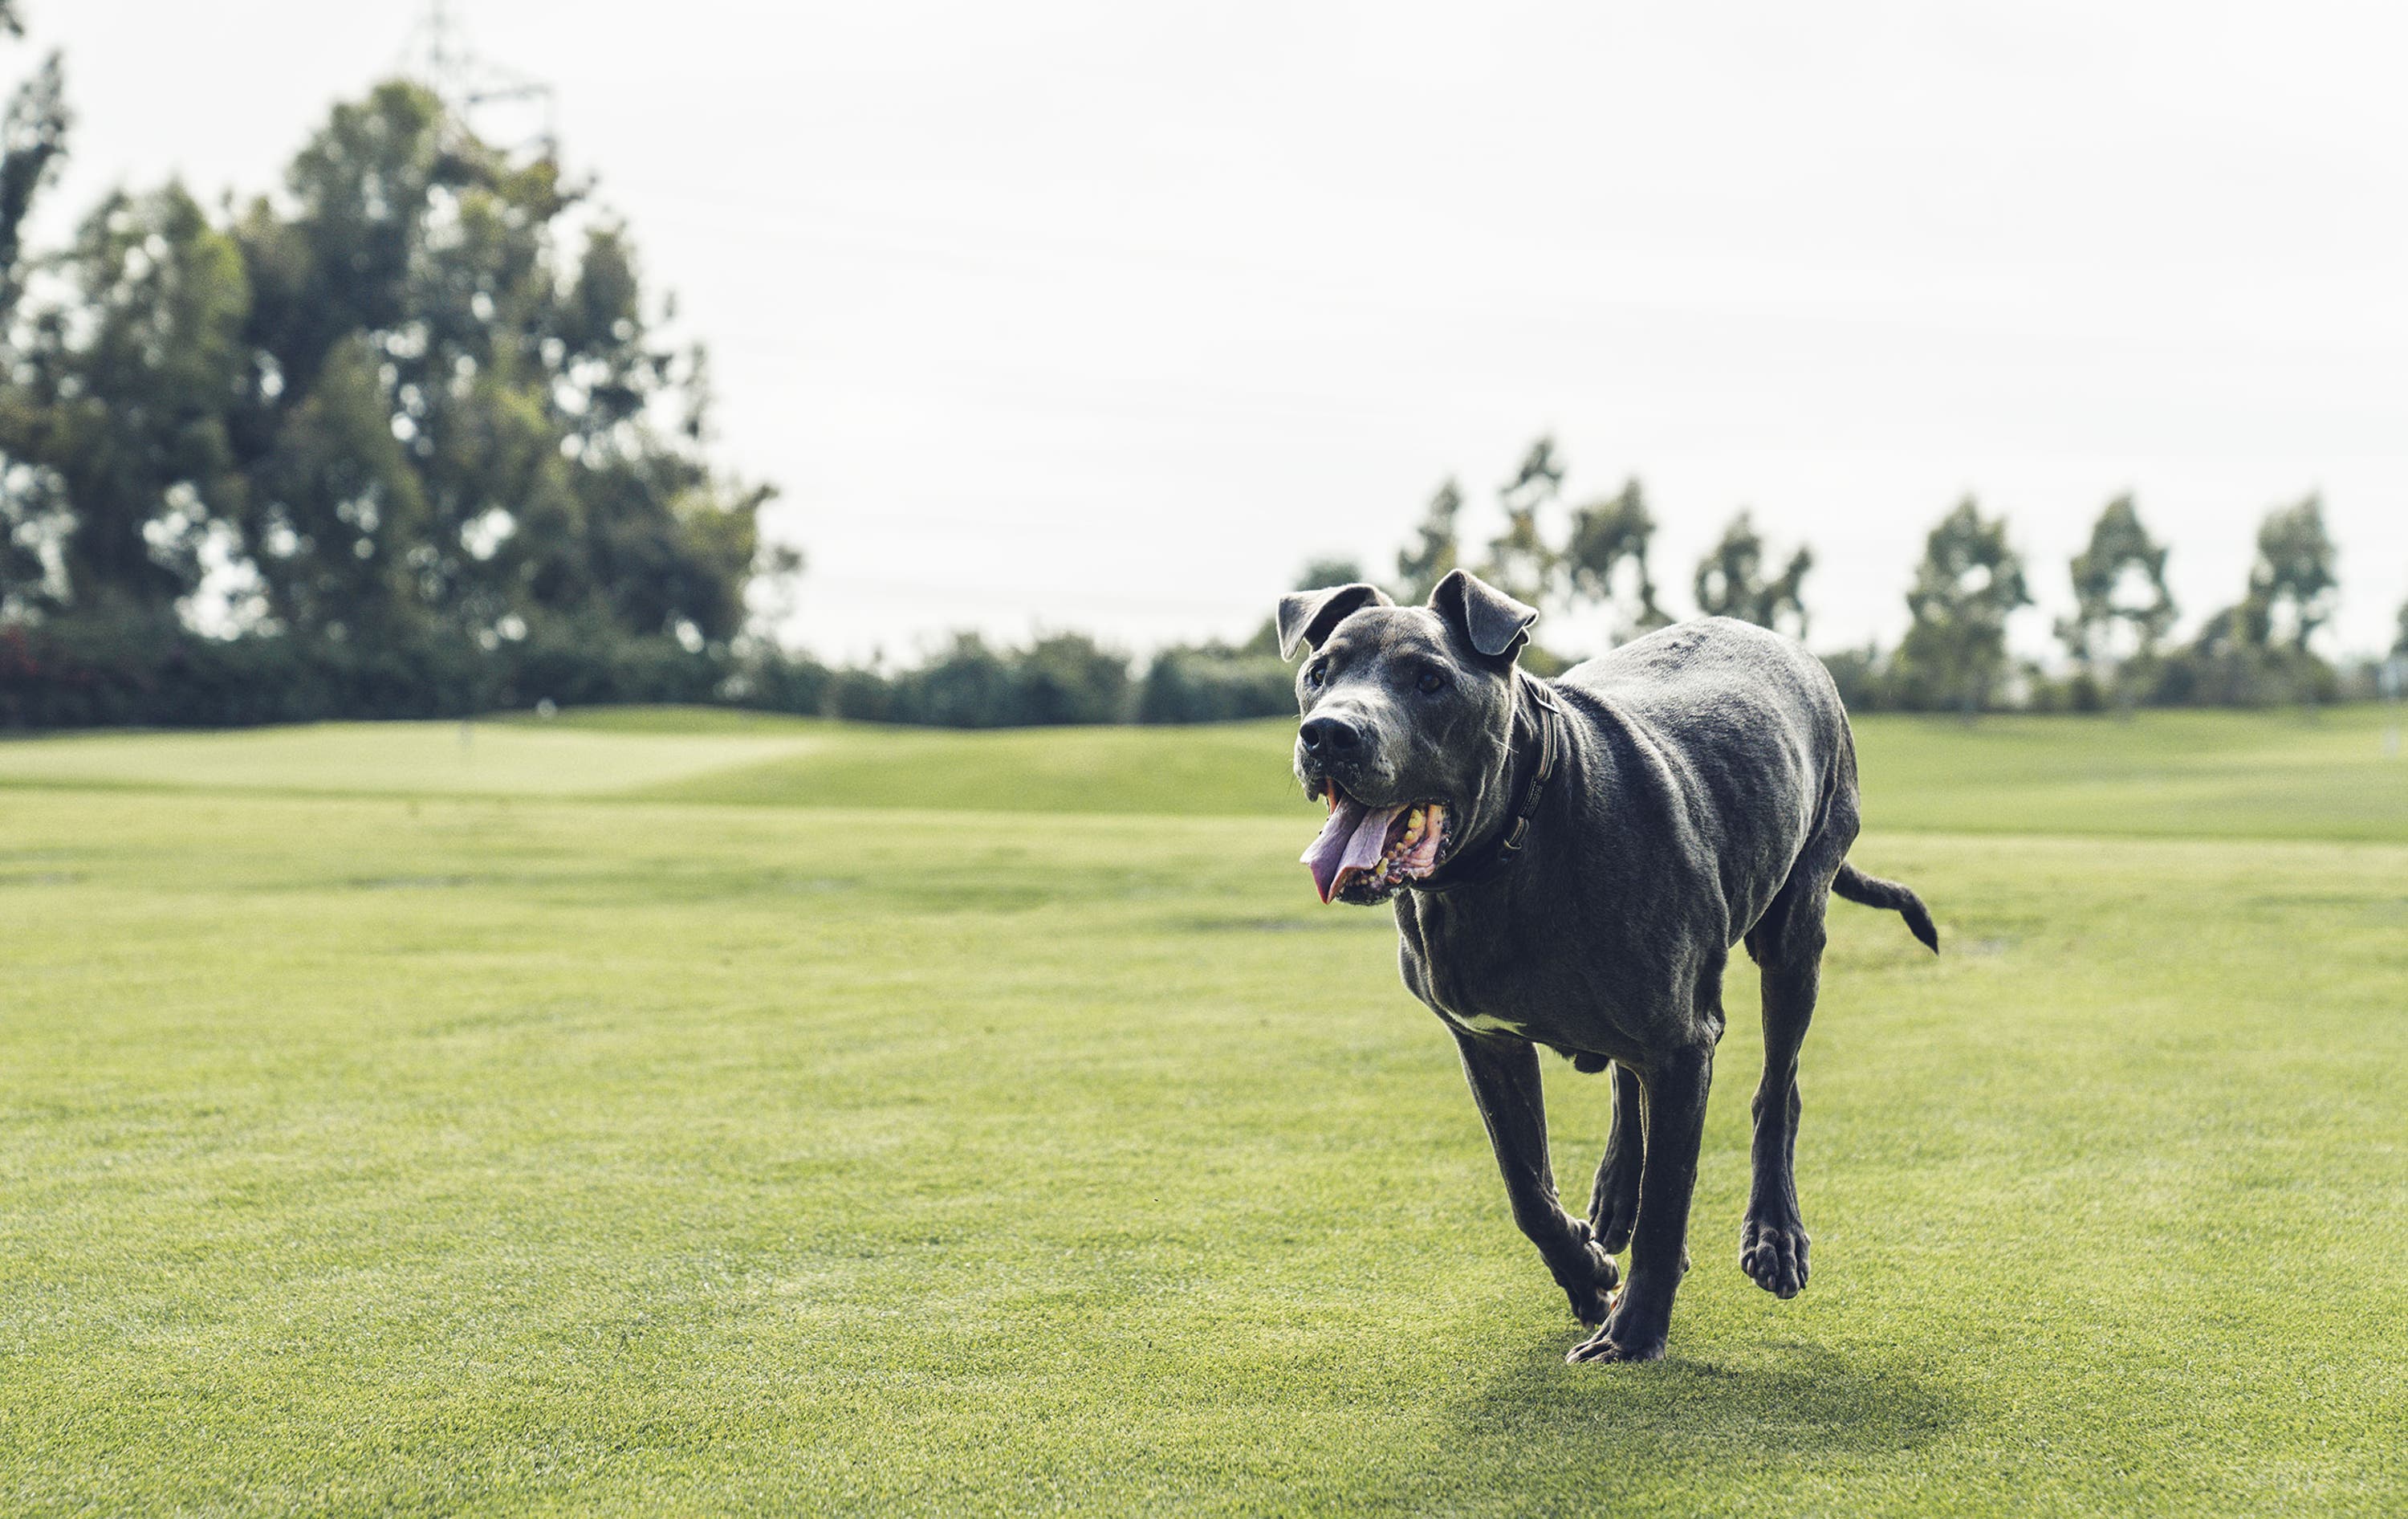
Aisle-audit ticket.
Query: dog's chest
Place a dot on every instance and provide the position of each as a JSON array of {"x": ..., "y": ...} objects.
[
  {"x": 1463, "y": 987},
  {"x": 1525, "y": 973},
  {"x": 1476, "y": 975}
]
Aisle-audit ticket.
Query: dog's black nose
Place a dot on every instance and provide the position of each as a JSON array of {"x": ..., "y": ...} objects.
[{"x": 1328, "y": 734}]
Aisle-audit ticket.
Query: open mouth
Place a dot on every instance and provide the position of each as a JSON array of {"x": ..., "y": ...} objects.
[{"x": 1366, "y": 853}]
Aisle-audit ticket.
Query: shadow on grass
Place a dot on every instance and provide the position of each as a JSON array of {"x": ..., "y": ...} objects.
[{"x": 1780, "y": 1404}]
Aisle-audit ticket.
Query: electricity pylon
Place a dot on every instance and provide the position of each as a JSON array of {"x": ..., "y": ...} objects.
[{"x": 438, "y": 55}]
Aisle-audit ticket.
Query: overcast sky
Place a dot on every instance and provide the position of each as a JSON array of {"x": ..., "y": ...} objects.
[{"x": 1109, "y": 316}]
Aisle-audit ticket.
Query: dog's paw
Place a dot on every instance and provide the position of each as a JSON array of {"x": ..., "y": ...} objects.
[
  {"x": 1602, "y": 1346},
  {"x": 1613, "y": 1208},
  {"x": 1592, "y": 1281},
  {"x": 1591, "y": 1306},
  {"x": 1774, "y": 1256}
]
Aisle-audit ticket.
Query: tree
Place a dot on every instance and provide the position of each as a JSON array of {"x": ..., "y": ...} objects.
[
  {"x": 1329, "y": 569},
  {"x": 120, "y": 401},
  {"x": 1969, "y": 583},
  {"x": 339, "y": 518},
  {"x": 418, "y": 391},
  {"x": 1606, "y": 535},
  {"x": 2119, "y": 582},
  {"x": 2399, "y": 645},
  {"x": 1215, "y": 684},
  {"x": 1434, "y": 553},
  {"x": 1520, "y": 561},
  {"x": 2256, "y": 651},
  {"x": 967, "y": 686},
  {"x": 1732, "y": 582},
  {"x": 2122, "y": 604},
  {"x": 1069, "y": 677},
  {"x": 33, "y": 140},
  {"x": 2292, "y": 585},
  {"x": 555, "y": 448}
]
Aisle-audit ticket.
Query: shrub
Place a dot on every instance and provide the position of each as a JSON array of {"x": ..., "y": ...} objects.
[{"x": 1214, "y": 684}]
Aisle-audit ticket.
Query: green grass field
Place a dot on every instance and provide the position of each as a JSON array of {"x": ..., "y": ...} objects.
[{"x": 655, "y": 1112}]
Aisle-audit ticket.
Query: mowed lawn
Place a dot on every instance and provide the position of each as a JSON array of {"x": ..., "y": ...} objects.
[{"x": 645, "y": 1112}]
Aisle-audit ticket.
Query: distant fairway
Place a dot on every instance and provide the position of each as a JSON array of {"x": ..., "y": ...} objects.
[
  {"x": 430, "y": 759},
  {"x": 649, "y": 1111}
]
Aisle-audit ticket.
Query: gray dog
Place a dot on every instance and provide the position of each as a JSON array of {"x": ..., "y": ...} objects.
[{"x": 1570, "y": 865}]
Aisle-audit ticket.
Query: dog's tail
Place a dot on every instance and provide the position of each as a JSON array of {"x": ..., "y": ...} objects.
[{"x": 1872, "y": 891}]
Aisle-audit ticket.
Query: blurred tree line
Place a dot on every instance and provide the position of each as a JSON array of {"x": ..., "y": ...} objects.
[
  {"x": 1955, "y": 656},
  {"x": 1969, "y": 582}
]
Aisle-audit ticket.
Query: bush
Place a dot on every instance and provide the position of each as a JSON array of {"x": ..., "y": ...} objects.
[
  {"x": 1067, "y": 677},
  {"x": 1061, "y": 680},
  {"x": 1214, "y": 684},
  {"x": 1861, "y": 677},
  {"x": 2213, "y": 673},
  {"x": 968, "y": 686},
  {"x": 768, "y": 679}
]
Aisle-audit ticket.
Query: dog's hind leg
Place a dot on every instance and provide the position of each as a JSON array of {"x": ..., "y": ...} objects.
[
  {"x": 1788, "y": 949},
  {"x": 1613, "y": 1201},
  {"x": 1504, "y": 1077}
]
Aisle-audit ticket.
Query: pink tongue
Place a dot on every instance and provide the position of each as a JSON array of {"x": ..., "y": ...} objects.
[{"x": 1351, "y": 839}]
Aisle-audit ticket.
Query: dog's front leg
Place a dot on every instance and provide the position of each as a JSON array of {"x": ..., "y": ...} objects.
[
  {"x": 1676, "y": 1124},
  {"x": 1504, "y": 1077}
]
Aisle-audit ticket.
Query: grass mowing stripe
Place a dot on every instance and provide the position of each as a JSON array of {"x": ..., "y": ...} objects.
[
  {"x": 2335, "y": 773},
  {"x": 411, "y": 759}
]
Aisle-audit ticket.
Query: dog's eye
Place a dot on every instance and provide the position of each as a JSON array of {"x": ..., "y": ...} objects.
[
  {"x": 1312, "y": 676},
  {"x": 1430, "y": 682}
]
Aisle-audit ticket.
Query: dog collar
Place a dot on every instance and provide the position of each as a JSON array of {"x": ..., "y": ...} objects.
[{"x": 1500, "y": 852}]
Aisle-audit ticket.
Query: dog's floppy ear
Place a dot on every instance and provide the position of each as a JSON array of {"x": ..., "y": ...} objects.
[
  {"x": 1307, "y": 616},
  {"x": 1496, "y": 623}
]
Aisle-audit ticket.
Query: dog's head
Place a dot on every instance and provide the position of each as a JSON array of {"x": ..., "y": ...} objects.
[{"x": 1408, "y": 717}]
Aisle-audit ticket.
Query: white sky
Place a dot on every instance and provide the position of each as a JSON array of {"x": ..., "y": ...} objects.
[{"x": 1108, "y": 316}]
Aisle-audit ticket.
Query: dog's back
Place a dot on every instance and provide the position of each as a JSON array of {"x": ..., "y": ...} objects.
[
  {"x": 1719, "y": 679},
  {"x": 1745, "y": 732}
]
